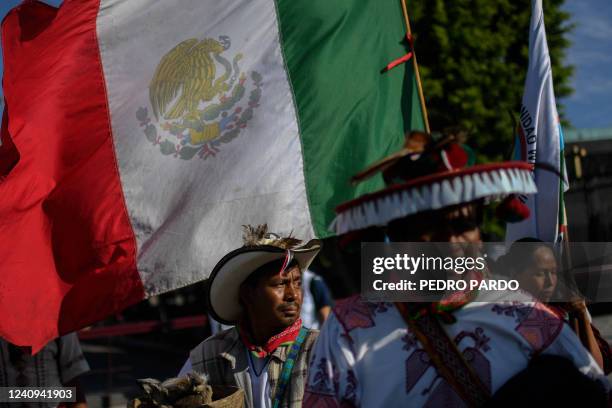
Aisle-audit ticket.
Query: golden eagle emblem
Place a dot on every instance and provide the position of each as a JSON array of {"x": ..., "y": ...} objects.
[{"x": 195, "y": 109}]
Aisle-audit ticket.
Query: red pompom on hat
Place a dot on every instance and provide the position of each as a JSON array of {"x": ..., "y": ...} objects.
[{"x": 511, "y": 209}]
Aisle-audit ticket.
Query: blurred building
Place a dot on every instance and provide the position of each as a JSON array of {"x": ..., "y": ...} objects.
[{"x": 588, "y": 155}]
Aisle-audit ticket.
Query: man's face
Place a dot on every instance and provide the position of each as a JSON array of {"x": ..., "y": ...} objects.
[
  {"x": 276, "y": 300},
  {"x": 540, "y": 279}
]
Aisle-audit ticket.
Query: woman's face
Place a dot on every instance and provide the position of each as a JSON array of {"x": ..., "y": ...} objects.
[{"x": 540, "y": 278}]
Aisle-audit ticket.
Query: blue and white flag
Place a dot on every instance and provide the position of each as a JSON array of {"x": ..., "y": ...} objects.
[{"x": 540, "y": 140}]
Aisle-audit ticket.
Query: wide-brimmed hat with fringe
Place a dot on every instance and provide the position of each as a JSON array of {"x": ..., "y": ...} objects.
[
  {"x": 260, "y": 248},
  {"x": 426, "y": 175}
]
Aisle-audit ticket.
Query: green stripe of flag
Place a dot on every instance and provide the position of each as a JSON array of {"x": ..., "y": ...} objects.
[{"x": 350, "y": 114}]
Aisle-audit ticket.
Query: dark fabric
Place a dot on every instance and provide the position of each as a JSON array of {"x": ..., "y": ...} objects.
[
  {"x": 606, "y": 351},
  {"x": 320, "y": 293},
  {"x": 550, "y": 381}
]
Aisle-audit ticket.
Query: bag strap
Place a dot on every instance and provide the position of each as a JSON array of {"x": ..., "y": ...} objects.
[
  {"x": 446, "y": 357},
  {"x": 285, "y": 374}
]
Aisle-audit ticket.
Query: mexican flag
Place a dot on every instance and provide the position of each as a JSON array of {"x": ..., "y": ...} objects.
[
  {"x": 140, "y": 135},
  {"x": 540, "y": 141}
]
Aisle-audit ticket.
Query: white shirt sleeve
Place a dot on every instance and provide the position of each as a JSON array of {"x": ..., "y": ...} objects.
[{"x": 186, "y": 368}]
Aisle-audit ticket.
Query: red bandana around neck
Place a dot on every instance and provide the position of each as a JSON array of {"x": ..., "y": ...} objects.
[{"x": 287, "y": 336}]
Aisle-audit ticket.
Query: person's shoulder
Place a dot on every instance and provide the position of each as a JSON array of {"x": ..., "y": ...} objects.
[
  {"x": 219, "y": 341},
  {"x": 225, "y": 335},
  {"x": 535, "y": 323},
  {"x": 309, "y": 341},
  {"x": 311, "y": 335},
  {"x": 310, "y": 331},
  {"x": 214, "y": 346},
  {"x": 516, "y": 305}
]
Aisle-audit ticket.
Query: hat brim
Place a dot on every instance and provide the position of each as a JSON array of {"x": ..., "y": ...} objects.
[
  {"x": 434, "y": 192},
  {"x": 235, "y": 267}
]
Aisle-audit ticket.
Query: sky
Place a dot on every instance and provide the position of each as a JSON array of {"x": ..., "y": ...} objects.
[{"x": 591, "y": 53}]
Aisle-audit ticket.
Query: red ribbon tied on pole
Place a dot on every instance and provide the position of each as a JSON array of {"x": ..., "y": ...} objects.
[{"x": 403, "y": 58}]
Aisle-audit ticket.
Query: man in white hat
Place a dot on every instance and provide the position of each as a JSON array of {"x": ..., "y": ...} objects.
[
  {"x": 257, "y": 288},
  {"x": 453, "y": 354}
]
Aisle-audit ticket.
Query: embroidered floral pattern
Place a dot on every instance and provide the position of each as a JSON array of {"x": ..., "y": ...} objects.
[
  {"x": 321, "y": 393},
  {"x": 336, "y": 379},
  {"x": 517, "y": 310},
  {"x": 481, "y": 341},
  {"x": 379, "y": 307},
  {"x": 537, "y": 324},
  {"x": 321, "y": 381},
  {"x": 312, "y": 399},
  {"x": 417, "y": 363},
  {"x": 540, "y": 327},
  {"x": 353, "y": 313},
  {"x": 351, "y": 388}
]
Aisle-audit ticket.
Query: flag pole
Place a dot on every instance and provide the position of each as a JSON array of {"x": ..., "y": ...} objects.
[
  {"x": 579, "y": 321},
  {"x": 416, "y": 70}
]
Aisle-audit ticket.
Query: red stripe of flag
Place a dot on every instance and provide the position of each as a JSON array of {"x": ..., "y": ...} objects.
[{"x": 67, "y": 247}]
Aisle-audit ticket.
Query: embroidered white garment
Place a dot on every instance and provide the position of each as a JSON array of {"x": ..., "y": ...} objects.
[
  {"x": 308, "y": 312},
  {"x": 366, "y": 357}
]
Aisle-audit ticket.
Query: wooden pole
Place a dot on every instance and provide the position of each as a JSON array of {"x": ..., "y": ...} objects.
[
  {"x": 579, "y": 319},
  {"x": 416, "y": 71}
]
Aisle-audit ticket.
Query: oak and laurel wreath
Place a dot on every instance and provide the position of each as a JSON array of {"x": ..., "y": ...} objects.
[{"x": 210, "y": 148}]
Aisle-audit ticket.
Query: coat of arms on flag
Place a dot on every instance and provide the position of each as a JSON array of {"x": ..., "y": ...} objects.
[{"x": 194, "y": 110}]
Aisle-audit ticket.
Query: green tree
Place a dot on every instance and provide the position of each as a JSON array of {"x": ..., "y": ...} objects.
[{"x": 473, "y": 57}]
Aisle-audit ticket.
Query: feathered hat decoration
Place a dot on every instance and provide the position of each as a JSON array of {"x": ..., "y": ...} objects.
[{"x": 259, "y": 235}]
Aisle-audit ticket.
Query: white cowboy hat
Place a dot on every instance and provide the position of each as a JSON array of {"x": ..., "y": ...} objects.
[{"x": 234, "y": 268}]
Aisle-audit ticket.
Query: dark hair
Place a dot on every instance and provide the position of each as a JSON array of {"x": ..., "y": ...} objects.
[
  {"x": 253, "y": 279},
  {"x": 520, "y": 255}
]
